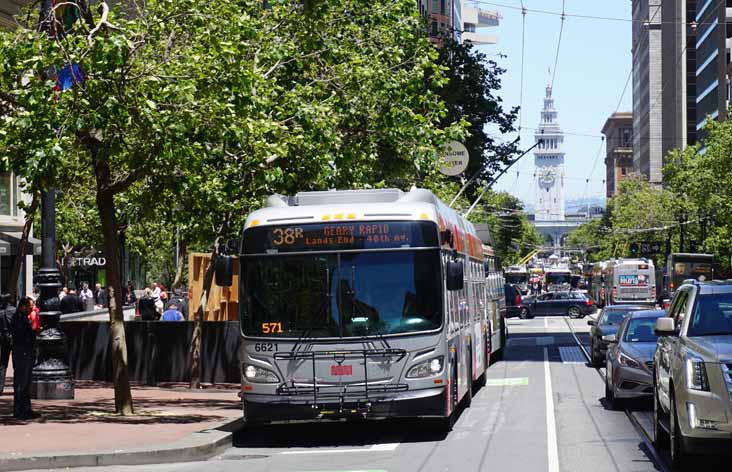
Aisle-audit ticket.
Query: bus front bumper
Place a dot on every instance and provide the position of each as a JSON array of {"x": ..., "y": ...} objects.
[{"x": 410, "y": 404}]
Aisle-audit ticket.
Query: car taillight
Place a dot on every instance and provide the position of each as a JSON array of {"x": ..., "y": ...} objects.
[
  {"x": 671, "y": 285},
  {"x": 589, "y": 302},
  {"x": 518, "y": 300}
]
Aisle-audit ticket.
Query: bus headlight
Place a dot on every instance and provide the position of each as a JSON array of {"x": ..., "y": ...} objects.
[
  {"x": 426, "y": 368},
  {"x": 256, "y": 374}
]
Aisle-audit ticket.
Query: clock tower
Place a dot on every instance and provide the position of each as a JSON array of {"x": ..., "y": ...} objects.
[{"x": 549, "y": 165}]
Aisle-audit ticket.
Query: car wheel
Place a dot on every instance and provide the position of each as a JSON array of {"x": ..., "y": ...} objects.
[
  {"x": 524, "y": 314},
  {"x": 574, "y": 312},
  {"x": 612, "y": 402},
  {"x": 676, "y": 441},
  {"x": 660, "y": 435},
  {"x": 594, "y": 356}
]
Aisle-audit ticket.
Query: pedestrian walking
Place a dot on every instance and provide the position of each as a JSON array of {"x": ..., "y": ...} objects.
[
  {"x": 146, "y": 306},
  {"x": 24, "y": 339},
  {"x": 130, "y": 297},
  {"x": 172, "y": 314},
  {"x": 6, "y": 337},
  {"x": 180, "y": 300}
]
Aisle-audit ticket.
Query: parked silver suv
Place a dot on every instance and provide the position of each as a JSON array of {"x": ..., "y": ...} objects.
[{"x": 693, "y": 372}]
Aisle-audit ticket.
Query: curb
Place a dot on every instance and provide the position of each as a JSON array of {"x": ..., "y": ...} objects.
[{"x": 200, "y": 445}]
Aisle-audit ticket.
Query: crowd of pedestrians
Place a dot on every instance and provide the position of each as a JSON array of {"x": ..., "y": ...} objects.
[{"x": 156, "y": 304}]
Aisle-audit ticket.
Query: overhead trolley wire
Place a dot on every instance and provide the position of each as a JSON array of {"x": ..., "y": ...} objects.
[{"x": 559, "y": 44}]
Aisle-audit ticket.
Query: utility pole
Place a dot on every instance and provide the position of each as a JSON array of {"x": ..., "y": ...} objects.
[{"x": 52, "y": 377}]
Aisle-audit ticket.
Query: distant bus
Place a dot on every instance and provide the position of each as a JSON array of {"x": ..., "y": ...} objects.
[
  {"x": 557, "y": 279},
  {"x": 631, "y": 281},
  {"x": 519, "y": 276},
  {"x": 681, "y": 266}
]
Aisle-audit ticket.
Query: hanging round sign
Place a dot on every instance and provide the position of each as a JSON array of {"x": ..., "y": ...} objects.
[{"x": 454, "y": 159}]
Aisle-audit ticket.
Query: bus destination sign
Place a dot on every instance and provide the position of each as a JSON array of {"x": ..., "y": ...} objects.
[{"x": 335, "y": 236}]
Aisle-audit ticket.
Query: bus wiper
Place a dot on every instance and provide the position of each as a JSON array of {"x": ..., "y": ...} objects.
[
  {"x": 362, "y": 311},
  {"x": 322, "y": 310}
]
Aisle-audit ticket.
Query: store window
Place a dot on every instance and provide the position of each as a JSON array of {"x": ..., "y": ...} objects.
[{"x": 8, "y": 195}]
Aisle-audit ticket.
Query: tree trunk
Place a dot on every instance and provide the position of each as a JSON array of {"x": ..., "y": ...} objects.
[
  {"x": 110, "y": 231},
  {"x": 181, "y": 256},
  {"x": 18, "y": 263},
  {"x": 198, "y": 320}
]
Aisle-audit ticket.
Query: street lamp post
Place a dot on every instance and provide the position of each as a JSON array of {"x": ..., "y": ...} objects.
[{"x": 52, "y": 377}]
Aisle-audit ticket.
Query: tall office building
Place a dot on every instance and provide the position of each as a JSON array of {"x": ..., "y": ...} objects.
[
  {"x": 659, "y": 83},
  {"x": 712, "y": 51}
]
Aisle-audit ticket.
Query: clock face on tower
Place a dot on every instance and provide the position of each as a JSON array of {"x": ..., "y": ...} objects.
[{"x": 547, "y": 177}]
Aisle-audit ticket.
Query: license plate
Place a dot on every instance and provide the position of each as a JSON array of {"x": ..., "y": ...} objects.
[{"x": 341, "y": 370}]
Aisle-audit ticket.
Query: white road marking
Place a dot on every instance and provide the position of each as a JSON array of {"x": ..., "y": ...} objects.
[
  {"x": 375, "y": 448},
  {"x": 551, "y": 427}
]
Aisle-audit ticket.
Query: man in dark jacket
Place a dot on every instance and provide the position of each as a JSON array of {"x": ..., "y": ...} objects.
[
  {"x": 71, "y": 303},
  {"x": 146, "y": 306},
  {"x": 23, "y": 358},
  {"x": 100, "y": 296},
  {"x": 180, "y": 300},
  {"x": 6, "y": 337}
]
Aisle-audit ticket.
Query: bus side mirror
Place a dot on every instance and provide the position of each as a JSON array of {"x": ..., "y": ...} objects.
[
  {"x": 224, "y": 271},
  {"x": 454, "y": 275}
]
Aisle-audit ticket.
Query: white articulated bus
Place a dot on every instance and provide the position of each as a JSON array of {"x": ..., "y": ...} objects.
[{"x": 363, "y": 303}]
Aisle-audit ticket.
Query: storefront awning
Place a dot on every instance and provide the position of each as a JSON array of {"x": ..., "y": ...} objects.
[{"x": 11, "y": 241}]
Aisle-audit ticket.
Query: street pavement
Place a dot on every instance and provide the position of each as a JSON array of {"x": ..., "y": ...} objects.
[{"x": 541, "y": 410}]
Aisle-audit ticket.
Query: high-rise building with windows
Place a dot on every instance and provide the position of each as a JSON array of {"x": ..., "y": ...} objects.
[{"x": 444, "y": 16}]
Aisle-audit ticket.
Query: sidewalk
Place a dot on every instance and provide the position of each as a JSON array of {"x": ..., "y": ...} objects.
[{"x": 85, "y": 431}]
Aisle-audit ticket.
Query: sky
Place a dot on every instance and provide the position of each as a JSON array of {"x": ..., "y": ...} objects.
[{"x": 593, "y": 65}]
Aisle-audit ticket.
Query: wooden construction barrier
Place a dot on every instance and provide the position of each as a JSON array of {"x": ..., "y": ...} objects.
[{"x": 223, "y": 302}]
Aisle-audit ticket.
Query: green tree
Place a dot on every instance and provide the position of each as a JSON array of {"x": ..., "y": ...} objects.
[
  {"x": 471, "y": 95},
  {"x": 204, "y": 107}
]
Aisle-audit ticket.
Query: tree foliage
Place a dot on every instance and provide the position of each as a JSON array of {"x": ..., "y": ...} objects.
[
  {"x": 471, "y": 95},
  {"x": 193, "y": 111}
]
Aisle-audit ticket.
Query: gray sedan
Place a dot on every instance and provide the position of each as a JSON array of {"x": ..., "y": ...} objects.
[{"x": 629, "y": 363}]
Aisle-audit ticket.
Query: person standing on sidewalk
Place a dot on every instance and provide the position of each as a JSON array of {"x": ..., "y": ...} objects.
[
  {"x": 24, "y": 339},
  {"x": 6, "y": 338}
]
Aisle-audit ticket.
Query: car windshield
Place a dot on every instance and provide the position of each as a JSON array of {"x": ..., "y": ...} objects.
[
  {"x": 613, "y": 317},
  {"x": 341, "y": 294},
  {"x": 640, "y": 330},
  {"x": 711, "y": 315}
]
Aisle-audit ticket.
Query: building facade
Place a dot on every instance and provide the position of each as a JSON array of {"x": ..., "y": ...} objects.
[
  {"x": 549, "y": 165},
  {"x": 476, "y": 19},
  {"x": 444, "y": 17},
  {"x": 711, "y": 91},
  {"x": 618, "y": 131}
]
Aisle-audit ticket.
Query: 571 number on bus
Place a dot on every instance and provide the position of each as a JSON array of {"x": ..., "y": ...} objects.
[{"x": 272, "y": 328}]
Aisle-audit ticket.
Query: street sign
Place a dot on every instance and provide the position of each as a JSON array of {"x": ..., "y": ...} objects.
[{"x": 454, "y": 159}]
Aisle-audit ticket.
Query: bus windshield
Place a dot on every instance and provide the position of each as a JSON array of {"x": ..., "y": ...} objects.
[
  {"x": 558, "y": 278},
  {"x": 346, "y": 294},
  {"x": 514, "y": 278}
]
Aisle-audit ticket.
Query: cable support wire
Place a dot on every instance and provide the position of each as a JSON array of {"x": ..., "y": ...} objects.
[
  {"x": 582, "y": 16},
  {"x": 559, "y": 44}
]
